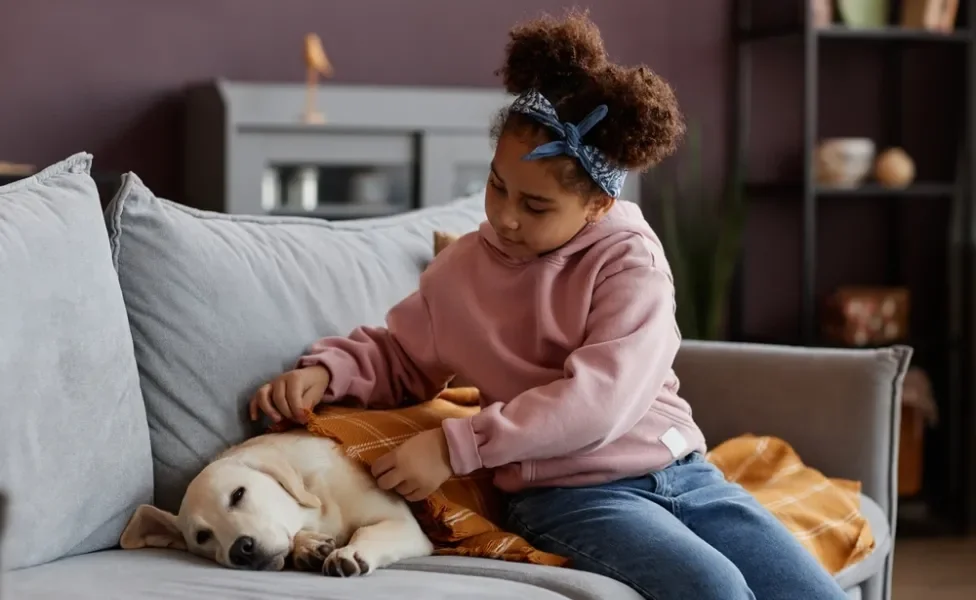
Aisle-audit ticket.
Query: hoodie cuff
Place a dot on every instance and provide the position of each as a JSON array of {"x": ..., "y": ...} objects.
[
  {"x": 330, "y": 358},
  {"x": 462, "y": 445}
]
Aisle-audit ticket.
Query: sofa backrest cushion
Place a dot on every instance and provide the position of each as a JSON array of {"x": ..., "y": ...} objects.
[
  {"x": 220, "y": 304},
  {"x": 74, "y": 443}
]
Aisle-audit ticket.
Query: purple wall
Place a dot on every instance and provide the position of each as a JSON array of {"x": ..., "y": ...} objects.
[
  {"x": 106, "y": 76},
  {"x": 110, "y": 82}
]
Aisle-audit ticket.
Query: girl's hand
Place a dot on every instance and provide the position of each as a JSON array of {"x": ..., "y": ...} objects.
[
  {"x": 291, "y": 394},
  {"x": 417, "y": 467}
]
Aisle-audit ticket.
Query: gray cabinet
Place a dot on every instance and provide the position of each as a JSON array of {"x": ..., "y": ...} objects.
[
  {"x": 382, "y": 150},
  {"x": 462, "y": 165}
]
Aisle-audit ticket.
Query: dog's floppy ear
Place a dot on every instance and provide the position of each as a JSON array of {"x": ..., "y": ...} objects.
[
  {"x": 275, "y": 465},
  {"x": 151, "y": 527}
]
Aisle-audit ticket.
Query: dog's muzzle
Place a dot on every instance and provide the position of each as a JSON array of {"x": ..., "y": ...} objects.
[{"x": 246, "y": 554}]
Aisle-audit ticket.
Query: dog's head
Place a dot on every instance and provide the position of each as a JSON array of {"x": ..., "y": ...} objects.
[{"x": 241, "y": 511}]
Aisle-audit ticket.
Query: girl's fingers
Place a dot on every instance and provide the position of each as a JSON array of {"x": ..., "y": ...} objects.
[
  {"x": 293, "y": 398},
  {"x": 278, "y": 393},
  {"x": 390, "y": 479},
  {"x": 383, "y": 464},
  {"x": 406, "y": 489},
  {"x": 252, "y": 408},
  {"x": 417, "y": 495},
  {"x": 264, "y": 403}
]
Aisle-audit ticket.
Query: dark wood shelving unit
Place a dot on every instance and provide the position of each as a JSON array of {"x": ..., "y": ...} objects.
[
  {"x": 931, "y": 189},
  {"x": 887, "y": 33},
  {"x": 893, "y": 34},
  {"x": 947, "y": 504}
]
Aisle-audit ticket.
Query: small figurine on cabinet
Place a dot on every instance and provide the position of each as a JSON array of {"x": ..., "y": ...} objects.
[{"x": 316, "y": 63}]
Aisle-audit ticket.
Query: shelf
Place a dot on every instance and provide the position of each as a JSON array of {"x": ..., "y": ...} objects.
[
  {"x": 946, "y": 503},
  {"x": 342, "y": 211},
  {"x": 931, "y": 189},
  {"x": 841, "y": 32},
  {"x": 873, "y": 189},
  {"x": 893, "y": 33}
]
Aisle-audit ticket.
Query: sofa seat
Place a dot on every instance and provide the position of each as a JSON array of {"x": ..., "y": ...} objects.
[
  {"x": 164, "y": 574},
  {"x": 176, "y": 575},
  {"x": 853, "y": 576}
]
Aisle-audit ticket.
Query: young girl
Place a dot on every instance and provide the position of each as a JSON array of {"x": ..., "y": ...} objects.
[{"x": 560, "y": 309}]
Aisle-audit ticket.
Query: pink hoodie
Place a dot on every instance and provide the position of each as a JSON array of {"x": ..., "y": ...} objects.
[{"x": 572, "y": 353}]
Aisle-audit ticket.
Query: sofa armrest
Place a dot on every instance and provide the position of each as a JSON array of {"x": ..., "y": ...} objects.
[{"x": 840, "y": 409}]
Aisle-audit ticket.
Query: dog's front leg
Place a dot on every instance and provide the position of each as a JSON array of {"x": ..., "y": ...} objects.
[
  {"x": 376, "y": 546},
  {"x": 310, "y": 549}
]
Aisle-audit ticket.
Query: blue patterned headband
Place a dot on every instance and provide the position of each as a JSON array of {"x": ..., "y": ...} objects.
[{"x": 597, "y": 165}]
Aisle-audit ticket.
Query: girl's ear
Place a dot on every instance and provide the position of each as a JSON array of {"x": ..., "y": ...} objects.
[{"x": 598, "y": 207}]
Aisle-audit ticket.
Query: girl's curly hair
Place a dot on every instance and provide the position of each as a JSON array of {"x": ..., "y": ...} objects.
[{"x": 565, "y": 60}]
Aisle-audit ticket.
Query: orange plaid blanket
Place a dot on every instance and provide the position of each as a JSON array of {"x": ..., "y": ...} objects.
[
  {"x": 461, "y": 517},
  {"x": 823, "y": 513}
]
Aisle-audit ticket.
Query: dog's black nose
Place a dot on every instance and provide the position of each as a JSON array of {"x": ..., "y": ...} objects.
[{"x": 242, "y": 551}]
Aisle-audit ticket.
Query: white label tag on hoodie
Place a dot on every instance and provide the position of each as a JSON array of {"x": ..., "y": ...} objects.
[{"x": 675, "y": 442}]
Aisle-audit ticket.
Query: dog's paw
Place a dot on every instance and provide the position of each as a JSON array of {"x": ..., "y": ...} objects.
[
  {"x": 311, "y": 549},
  {"x": 346, "y": 562}
]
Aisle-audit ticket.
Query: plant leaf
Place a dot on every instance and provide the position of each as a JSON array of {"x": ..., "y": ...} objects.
[
  {"x": 686, "y": 312},
  {"x": 703, "y": 240}
]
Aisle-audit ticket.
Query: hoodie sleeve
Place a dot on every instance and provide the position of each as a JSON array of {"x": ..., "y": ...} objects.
[
  {"x": 381, "y": 366},
  {"x": 608, "y": 383}
]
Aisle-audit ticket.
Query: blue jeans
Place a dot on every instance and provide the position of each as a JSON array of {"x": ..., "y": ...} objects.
[{"x": 683, "y": 532}]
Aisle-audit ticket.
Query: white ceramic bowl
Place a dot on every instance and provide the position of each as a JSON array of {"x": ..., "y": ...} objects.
[{"x": 843, "y": 162}]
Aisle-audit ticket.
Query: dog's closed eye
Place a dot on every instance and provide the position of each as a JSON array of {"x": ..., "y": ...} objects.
[{"x": 236, "y": 497}]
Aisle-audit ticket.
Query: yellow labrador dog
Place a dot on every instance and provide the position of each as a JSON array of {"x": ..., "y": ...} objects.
[{"x": 285, "y": 499}]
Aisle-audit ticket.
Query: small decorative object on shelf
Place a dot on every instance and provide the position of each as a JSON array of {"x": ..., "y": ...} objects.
[
  {"x": 933, "y": 15},
  {"x": 894, "y": 168},
  {"x": 843, "y": 162},
  {"x": 270, "y": 189},
  {"x": 863, "y": 13},
  {"x": 316, "y": 63},
  {"x": 303, "y": 189},
  {"x": 9, "y": 169},
  {"x": 370, "y": 187},
  {"x": 919, "y": 411},
  {"x": 823, "y": 13},
  {"x": 866, "y": 316}
]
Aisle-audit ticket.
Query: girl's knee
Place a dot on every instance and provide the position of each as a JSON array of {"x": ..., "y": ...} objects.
[{"x": 714, "y": 580}]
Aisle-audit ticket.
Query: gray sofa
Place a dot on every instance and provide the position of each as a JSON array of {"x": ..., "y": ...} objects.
[{"x": 131, "y": 339}]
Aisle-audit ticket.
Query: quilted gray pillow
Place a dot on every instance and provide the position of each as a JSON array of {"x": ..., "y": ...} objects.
[
  {"x": 219, "y": 304},
  {"x": 74, "y": 443}
]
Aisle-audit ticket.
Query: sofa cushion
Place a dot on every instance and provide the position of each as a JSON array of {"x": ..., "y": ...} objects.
[
  {"x": 873, "y": 563},
  {"x": 73, "y": 436},
  {"x": 219, "y": 304},
  {"x": 174, "y": 574}
]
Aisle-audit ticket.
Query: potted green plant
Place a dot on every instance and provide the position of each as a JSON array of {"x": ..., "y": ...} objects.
[{"x": 702, "y": 230}]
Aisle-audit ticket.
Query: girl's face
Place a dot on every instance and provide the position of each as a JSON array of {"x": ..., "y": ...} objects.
[{"x": 527, "y": 207}]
